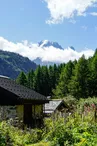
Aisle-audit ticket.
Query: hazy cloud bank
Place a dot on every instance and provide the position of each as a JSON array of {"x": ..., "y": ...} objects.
[{"x": 32, "y": 51}]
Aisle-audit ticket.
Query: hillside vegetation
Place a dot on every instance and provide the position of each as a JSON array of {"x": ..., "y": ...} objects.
[
  {"x": 75, "y": 78},
  {"x": 11, "y": 64}
]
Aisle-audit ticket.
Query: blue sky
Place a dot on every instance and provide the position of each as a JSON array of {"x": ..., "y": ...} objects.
[{"x": 70, "y": 23}]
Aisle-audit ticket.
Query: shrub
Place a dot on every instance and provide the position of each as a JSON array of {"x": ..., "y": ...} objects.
[
  {"x": 13, "y": 136},
  {"x": 77, "y": 130}
]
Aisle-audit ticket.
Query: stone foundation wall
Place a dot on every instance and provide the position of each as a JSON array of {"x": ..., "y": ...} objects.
[
  {"x": 7, "y": 112},
  {"x": 12, "y": 113}
]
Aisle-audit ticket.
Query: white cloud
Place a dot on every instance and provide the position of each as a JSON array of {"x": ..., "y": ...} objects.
[
  {"x": 84, "y": 27},
  {"x": 51, "y": 54},
  {"x": 61, "y": 9},
  {"x": 72, "y": 21},
  {"x": 93, "y": 13}
]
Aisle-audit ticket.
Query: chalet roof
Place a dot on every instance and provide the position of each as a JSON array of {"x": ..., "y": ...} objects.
[
  {"x": 19, "y": 90},
  {"x": 53, "y": 105}
]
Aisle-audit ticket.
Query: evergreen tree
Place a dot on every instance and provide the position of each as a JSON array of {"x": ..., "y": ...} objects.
[
  {"x": 55, "y": 76},
  {"x": 61, "y": 67},
  {"x": 38, "y": 80},
  {"x": 94, "y": 74},
  {"x": 30, "y": 79},
  {"x": 51, "y": 76},
  {"x": 79, "y": 83},
  {"x": 65, "y": 76},
  {"x": 90, "y": 79},
  {"x": 45, "y": 81},
  {"x": 22, "y": 79},
  {"x": 54, "y": 73}
]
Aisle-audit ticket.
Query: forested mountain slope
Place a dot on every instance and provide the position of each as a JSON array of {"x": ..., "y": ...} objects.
[{"x": 11, "y": 64}]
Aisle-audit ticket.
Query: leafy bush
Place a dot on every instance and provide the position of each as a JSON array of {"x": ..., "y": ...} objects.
[
  {"x": 13, "y": 136},
  {"x": 80, "y": 128}
]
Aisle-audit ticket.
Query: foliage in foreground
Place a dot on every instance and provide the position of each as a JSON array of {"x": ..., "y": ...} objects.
[
  {"x": 12, "y": 136},
  {"x": 41, "y": 144},
  {"x": 78, "y": 129}
]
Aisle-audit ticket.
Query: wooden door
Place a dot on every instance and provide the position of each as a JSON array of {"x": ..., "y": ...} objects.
[{"x": 28, "y": 115}]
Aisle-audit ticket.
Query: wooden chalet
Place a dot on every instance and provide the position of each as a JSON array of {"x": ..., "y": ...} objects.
[
  {"x": 55, "y": 106},
  {"x": 17, "y": 101}
]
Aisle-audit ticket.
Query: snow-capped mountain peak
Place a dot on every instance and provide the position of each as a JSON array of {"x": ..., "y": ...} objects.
[
  {"x": 43, "y": 43},
  {"x": 47, "y": 43}
]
